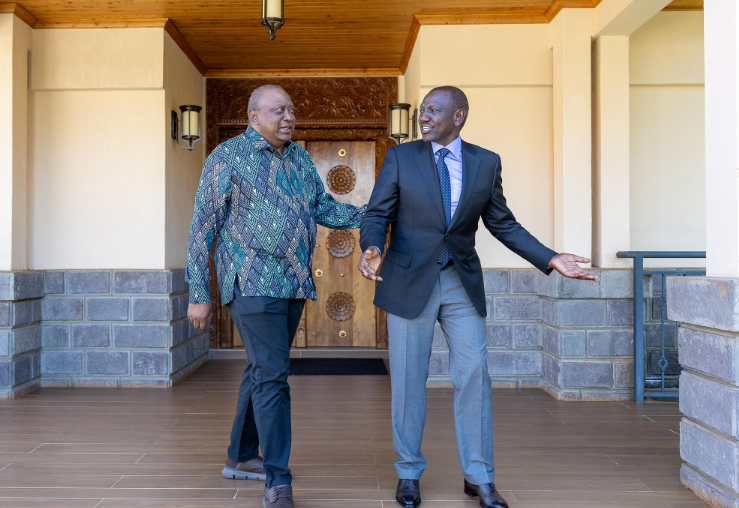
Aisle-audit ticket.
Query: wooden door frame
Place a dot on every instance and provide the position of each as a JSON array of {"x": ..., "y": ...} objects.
[{"x": 327, "y": 109}]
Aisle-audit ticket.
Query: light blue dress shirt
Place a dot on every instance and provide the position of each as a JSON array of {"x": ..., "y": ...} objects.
[{"x": 454, "y": 165}]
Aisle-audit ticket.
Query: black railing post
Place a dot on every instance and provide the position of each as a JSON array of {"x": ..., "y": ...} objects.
[
  {"x": 639, "y": 343},
  {"x": 638, "y": 329}
]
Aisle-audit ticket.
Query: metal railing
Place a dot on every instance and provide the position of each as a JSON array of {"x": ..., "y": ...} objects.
[{"x": 662, "y": 393}]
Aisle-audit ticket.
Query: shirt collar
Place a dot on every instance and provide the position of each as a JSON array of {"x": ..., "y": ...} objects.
[
  {"x": 455, "y": 147},
  {"x": 259, "y": 143}
]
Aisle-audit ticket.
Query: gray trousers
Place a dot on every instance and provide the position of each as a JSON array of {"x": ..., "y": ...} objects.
[{"x": 410, "y": 352}]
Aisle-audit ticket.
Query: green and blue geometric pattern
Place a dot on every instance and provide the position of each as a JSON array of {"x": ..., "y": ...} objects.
[{"x": 264, "y": 207}]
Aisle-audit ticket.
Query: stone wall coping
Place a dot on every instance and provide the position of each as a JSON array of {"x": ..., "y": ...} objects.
[{"x": 711, "y": 302}]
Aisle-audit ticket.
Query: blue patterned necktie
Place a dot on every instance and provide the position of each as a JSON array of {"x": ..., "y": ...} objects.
[{"x": 446, "y": 195}]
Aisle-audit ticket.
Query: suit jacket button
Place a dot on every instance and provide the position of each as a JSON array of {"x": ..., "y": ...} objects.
[{"x": 438, "y": 262}]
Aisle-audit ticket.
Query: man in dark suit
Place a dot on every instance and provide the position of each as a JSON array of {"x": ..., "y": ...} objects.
[{"x": 434, "y": 193}]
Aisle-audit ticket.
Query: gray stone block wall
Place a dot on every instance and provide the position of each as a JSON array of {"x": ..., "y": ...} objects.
[
  {"x": 21, "y": 296},
  {"x": 117, "y": 328},
  {"x": 572, "y": 338},
  {"x": 708, "y": 346},
  {"x": 588, "y": 338}
]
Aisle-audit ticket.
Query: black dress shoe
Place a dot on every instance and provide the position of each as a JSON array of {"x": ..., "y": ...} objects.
[
  {"x": 408, "y": 493},
  {"x": 489, "y": 497}
]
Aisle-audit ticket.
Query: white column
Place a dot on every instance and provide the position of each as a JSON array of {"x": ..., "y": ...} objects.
[
  {"x": 15, "y": 42},
  {"x": 571, "y": 41},
  {"x": 611, "y": 202},
  {"x": 614, "y": 21},
  {"x": 721, "y": 22}
]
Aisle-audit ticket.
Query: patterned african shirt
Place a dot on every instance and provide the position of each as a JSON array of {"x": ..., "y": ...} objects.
[{"x": 264, "y": 208}]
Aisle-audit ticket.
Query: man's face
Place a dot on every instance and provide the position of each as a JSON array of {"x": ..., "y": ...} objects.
[
  {"x": 274, "y": 119},
  {"x": 439, "y": 121}
]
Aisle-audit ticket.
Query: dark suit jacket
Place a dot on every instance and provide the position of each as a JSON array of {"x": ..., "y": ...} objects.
[{"x": 408, "y": 196}]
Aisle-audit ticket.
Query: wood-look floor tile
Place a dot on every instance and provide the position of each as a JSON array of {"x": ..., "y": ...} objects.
[
  {"x": 181, "y": 503},
  {"x": 166, "y": 448},
  {"x": 49, "y": 503},
  {"x": 78, "y": 493},
  {"x": 10, "y": 480}
]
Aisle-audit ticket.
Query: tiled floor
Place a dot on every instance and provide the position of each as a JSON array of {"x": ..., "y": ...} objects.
[{"x": 87, "y": 448}]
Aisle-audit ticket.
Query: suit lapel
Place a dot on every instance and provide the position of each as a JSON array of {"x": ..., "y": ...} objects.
[
  {"x": 425, "y": 162},
  {"x": 470, "y": 165}
]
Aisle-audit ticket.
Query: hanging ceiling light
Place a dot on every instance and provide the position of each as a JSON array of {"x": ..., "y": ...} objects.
[{"x": 273, "y": 16}]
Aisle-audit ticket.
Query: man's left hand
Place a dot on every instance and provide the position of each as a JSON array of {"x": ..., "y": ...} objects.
[{"x": 567, "y": 265}]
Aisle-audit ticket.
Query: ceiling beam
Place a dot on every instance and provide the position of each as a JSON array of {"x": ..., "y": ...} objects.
[
  {"x": 623, "y": 17},
  {"x": 17, "y": 9},
  {"x": 177, "y": 37},
  {"x": 410, "y": 42},
  {"x": 685, "y": 5},
  {"x": 246, "y": 73}
]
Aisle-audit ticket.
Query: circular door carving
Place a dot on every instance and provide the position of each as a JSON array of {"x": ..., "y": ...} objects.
[
  {"x": 340, "y": 306},
  {"x": 341, "y": 179},
  {"x": 340, "y": 243}
]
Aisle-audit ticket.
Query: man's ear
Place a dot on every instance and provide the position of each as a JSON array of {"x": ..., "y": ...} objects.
[
  {"x": 459, "y": 117},
  {"x": 253, "y": 117}
]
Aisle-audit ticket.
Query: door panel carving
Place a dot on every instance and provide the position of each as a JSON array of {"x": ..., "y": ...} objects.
[{"x": 344, "y": 296}]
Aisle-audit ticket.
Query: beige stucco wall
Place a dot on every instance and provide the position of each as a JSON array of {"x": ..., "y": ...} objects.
[
  {"x": 508, "y": 81},
  {"x": 183, "y": 84},
  {"x": 105, "y": 178},
  {"x": 15, "y": 42},
  {"x": 667, "y": 135}
]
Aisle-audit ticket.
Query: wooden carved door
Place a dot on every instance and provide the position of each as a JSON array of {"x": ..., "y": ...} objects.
[{"x": 344, "y": 314}]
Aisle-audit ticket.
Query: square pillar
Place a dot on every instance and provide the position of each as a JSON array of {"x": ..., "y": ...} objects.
[
  {"x": 611, "y": 225},
  {"x": 721, "y": 22},
  {"x": 708, "y": 307},
  {"x": 15, "y": 42},
  {"x": 570, "y": 34}
]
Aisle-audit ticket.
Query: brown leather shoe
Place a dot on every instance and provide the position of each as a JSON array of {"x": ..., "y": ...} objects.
[
  {"x": 250, "y": 470},
  {"x": 489, "y": 497},
  {"x": 280, "y": 496}
]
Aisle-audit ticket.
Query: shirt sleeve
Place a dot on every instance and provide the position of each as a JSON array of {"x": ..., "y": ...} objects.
[
  {"x": 329, "y": 212},
  {"x": 211, "y": 207}
]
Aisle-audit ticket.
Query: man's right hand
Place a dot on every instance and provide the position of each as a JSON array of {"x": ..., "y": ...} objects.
[
  {"x": 199, "y": 315},
  {"x": 370, "y": 263}
]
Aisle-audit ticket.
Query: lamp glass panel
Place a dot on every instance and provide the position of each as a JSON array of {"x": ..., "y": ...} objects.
[
  {"x": 192, "y": 124},
  {"x": 185, "y": 130},
  {"x": 403, "y": 122},
  {"x": 395, "y": 122},
  {"x": 272, "y": 9}
]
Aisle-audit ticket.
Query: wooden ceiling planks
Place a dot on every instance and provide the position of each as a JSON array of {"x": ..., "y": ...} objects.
[{"x": 320, "y": 37}]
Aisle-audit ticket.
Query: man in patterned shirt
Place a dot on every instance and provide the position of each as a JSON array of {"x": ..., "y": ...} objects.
[{"x": 261, "y": 195}]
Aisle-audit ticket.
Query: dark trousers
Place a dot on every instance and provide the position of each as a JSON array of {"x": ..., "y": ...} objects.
[{"x": 267, "y": 327}]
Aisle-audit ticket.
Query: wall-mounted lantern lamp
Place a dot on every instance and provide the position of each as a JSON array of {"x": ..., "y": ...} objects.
[
  {"x": 401, "y": 125},
  {"x": 189, "y": 128},
  {"x": 273, "y": 16}
]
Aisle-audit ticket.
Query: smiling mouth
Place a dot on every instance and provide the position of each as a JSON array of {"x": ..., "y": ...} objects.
[
  {"x": 425, "y": 129},
  {"x": 286, "y": 128}
]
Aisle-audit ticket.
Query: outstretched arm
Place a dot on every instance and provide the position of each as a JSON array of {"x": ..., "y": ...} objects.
[{"x": 499, "y": 220}]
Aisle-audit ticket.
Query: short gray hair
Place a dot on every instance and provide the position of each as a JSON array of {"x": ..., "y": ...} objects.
[{"x": 256, "y": 95}]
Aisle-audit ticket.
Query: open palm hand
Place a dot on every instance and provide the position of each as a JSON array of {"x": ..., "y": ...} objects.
[{"x": 567, "y": 265}]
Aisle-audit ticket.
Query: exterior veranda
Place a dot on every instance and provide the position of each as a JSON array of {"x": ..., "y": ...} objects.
[{"x": 618, "y": 127}]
